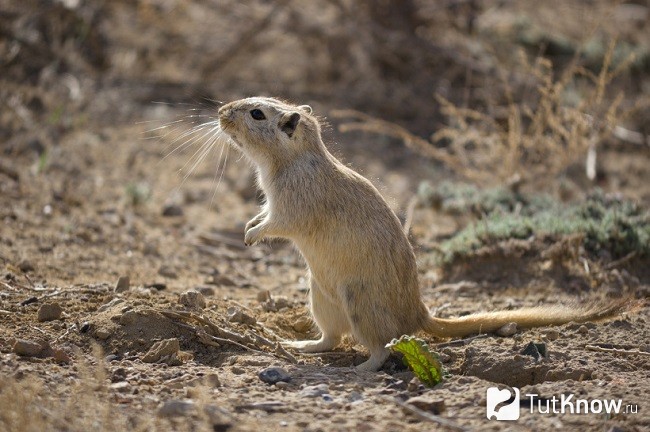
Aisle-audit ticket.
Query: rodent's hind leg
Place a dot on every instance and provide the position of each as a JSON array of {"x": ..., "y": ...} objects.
[
  {"x": 378, "y": 356},
  {"x": 330, "y": 319}
]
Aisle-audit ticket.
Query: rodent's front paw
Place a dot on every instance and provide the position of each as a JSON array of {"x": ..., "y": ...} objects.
[
  {"x": 252, "y": 223},
  {"x": 252, "y": 236}
]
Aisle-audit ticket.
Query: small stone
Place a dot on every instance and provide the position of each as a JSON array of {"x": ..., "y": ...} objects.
[
  {"x": 212, "y": 380},
  {"x": 26, "y": 266},
  {"x": 172, "y": 210},
  {"x": 583, "y": 329},
  {"x": 282, "y": 302},
  {"x": 507, "y": 330},
  {"x": 102, "y": 334},
  {"x": 263, "y": 296},
  {"x": 426, "y": 403},
  {"x": 273, "y": 375},
  {"x": 118, "y": 375},
  {"x": 552, "y": 334},
  {"x": 314, "y": 391},
  {"x": 49, "y": 312},
  {"x": 221, "y": 280},
  {"x": 29, "y": 301},
  {"x": 27, "y": 348},
  {"x": 176, "y": 408},
  {"x": 535, "y": 350},
  {"x": 162, "y": 348},
  {"x": 85, "y": 326},
  {"x": 205, "y": 290},
  {"x": 167, "y": 272},
  {"x": 60, "y": 356},
  {"x": 237, "y": 315},
  {"x": 303, "y": 325},
  {"x": 123, "y": 284},
  {"x": 192, "y": 300},
  {"x": 128, "y": 318},
  {"x": 283, "y": 385},
  {"x": 110, "y": 304}
]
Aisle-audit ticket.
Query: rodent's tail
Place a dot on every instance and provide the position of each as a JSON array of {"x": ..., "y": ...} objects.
[{"x": 537, "y": 316}]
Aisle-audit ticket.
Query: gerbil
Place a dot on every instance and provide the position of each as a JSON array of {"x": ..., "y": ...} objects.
[{"x": 362, "y": 271}]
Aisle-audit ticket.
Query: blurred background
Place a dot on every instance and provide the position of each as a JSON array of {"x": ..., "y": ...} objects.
[{"x": 525, "y": 96}]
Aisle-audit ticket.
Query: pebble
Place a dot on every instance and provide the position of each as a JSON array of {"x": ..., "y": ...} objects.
[
  {"x": 171, "y": 210},
  {"x": 123, "y": 284},
  {"x": 110, "y": 304},
  {"x": 128, "y": 318},
  {"x": 583, "y": 329},
  {"x": 176, "y": 408},
  {"x": 26, "y": 266},
  {"x": 237, "y": 315},
  {"x": 49, "y": 312},
  {"x": 314, "y": 391},
  {"x": 192, "y": 300},
  {"x": 205, "y": 290},
  {"x": 102, "y": 334},
  {"x": 303, "y": 325},
  {"x": 85, "y": 326},
  {"x": 160, "y": 349},
  {"x": 29, "y": 301},
  {"x": 60, "y": 356},
  {"x": 273, "y": 375},
  {"x": 425, "y": 403},
  {"x": 507, "y": 330},
  {"x": 168, "y": 272},
  {"x": 263, "y": 296},
  {"x": 27, "y": 348},
  {"x": 552, "y": 334}
]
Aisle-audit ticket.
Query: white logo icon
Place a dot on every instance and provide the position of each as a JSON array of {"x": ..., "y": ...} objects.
[{"x": 496, "y": 407}]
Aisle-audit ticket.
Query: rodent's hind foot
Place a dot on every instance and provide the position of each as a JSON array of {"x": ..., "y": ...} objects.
[
  {"x": 312, "y": 346},
  {"x": 376, "y": 360}
]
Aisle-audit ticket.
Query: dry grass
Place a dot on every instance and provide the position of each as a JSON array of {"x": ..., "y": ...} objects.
[
  {"x": 85, "y": 402},
  {"x": 548, "y": 124}
]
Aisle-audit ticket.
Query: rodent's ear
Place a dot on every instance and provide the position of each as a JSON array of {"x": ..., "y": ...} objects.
[
  {"x": 289, "y": 122},
  {"x": 306, "y": 108}
]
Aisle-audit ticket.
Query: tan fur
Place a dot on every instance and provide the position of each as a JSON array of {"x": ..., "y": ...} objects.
[{"x": 363, "y": 276}]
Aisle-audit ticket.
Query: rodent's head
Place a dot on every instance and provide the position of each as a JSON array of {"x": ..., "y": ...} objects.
[{"x": 267, "y": 128}]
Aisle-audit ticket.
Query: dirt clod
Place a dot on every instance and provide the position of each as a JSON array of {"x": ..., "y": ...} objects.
[
  {"x": 192, "y": 300},
  {"x": 49, "y": 312},
  {"x": 123, "y": 284}
]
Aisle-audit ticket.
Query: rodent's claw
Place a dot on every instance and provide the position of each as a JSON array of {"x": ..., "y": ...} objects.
[{"x": 252, "y": 236}]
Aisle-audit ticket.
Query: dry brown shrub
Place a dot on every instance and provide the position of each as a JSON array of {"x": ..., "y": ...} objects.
[{"x": 539, "y": 132}]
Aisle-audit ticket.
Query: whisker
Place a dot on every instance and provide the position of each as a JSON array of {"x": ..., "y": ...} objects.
[
  {"x": 223, "y": 169},
  {"x": 191, "y": 140}
]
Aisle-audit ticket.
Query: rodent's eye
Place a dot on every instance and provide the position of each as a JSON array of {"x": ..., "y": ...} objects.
[{"x": 257, "y": 114}]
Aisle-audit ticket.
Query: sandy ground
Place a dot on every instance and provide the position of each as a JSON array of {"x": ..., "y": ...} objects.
[{"x": 89, "y": 196}]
